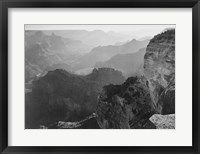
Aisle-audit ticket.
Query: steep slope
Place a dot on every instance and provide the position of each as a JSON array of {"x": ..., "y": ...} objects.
[
  {"x": 104, "y": 53},
  {"x": 129, "y": 64},
  {"x": 62, "y": 96}
]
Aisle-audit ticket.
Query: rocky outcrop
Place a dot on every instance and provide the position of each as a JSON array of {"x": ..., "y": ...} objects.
[
  {"x": 62, "y": 96},
  {"x": 125, "y": 106},
  {"x": 159, "y": 69}
]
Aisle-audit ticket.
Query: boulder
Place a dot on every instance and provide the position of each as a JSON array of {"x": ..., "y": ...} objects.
[{"x": 163, "y": 121}]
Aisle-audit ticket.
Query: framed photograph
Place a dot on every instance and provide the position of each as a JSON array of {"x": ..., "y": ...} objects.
[{"x": 99, "y": 76}]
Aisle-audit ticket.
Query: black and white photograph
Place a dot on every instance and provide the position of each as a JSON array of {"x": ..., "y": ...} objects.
[{"x": 99, "y": 76}]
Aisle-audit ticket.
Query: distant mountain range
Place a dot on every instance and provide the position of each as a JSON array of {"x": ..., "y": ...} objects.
[
  {"x": 104, "y": 53},
  {"x": 49, "y": 50},
  {"x": 42, "y": 51},
  {"x": 130, "y": 64},
  {"x": 93, "y": 38}
]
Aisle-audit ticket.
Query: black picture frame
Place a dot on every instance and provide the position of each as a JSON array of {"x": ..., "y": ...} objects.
[{"x": 5, "y": 4}]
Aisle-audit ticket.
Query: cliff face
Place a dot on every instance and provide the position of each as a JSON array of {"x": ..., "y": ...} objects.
[
  {"x": 159, "y": 69},
  {"x": 131, "y": 104},
  {"x": 62, "y": 96}
]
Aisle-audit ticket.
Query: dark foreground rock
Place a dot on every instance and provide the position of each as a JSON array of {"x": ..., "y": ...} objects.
[{"x": 125, "y": 106}]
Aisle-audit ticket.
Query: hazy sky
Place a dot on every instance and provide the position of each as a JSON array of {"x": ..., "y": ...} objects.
[{"x": 138, "y": 30}]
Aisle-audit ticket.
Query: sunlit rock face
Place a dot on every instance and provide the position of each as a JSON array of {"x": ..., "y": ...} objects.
[
  {"x": 159, "y": 69},
  {"x": 125, "y": 106},
  {"x": 163, "y": 121}
]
